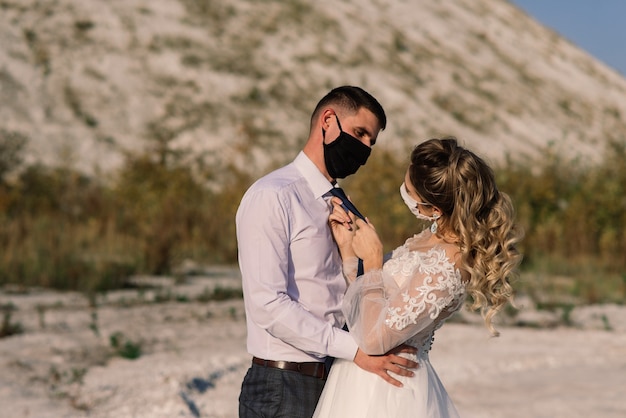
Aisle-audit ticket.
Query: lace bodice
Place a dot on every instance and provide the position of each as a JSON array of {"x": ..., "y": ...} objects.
[{"x": 406, "y": 301}]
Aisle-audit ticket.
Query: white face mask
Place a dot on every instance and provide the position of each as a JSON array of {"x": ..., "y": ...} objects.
[{"x": 413, "y": 205}]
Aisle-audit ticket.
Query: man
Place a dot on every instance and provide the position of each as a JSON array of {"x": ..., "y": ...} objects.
[{"x": 291, "y": 270}]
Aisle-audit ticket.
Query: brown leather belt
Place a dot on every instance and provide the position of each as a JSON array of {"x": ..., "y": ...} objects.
[{"x": 312, "y": 368}]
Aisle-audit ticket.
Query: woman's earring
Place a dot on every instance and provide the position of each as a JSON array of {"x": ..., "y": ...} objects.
[{"x": 434, "y": 226}]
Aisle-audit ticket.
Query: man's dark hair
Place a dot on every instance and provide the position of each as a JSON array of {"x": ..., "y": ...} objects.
[{"x": 351, "y": 98}]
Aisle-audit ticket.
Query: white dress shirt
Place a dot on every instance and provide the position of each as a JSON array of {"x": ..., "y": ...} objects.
[{"x": 290, "y": 266}]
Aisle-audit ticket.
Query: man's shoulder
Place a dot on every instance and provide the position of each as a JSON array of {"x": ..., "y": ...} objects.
[
  {"x": 270, "y": 191},
  {"x": 278, "y": 179}
]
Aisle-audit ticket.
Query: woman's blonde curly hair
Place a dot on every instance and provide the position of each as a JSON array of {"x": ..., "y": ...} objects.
[{"x": 463, "y": 187}]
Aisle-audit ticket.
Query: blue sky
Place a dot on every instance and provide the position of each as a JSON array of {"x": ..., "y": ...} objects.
[{"x": 597, "y": 26}]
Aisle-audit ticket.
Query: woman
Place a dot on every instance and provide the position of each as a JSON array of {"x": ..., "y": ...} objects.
[{"x": 470, "y": 248}]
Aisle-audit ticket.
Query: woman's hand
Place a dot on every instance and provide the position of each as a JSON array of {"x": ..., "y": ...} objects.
[
  {"x": 342, "y": 226},
  {"x": 367, "y": 246}
]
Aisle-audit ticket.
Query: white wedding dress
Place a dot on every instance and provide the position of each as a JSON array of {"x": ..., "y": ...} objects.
[{"x": 405, "y": 302}]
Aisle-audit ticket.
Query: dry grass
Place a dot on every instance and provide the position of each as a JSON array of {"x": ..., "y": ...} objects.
[{"x": 64, "y": 230}]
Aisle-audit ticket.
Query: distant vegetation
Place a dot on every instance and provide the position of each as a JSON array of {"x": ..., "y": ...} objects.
[{"x": 64, "y": 230}]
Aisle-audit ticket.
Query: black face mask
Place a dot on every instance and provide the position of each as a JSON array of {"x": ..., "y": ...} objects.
[{"x": 345, "y": 154}]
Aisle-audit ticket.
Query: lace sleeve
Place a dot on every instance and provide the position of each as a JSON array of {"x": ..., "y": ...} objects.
[
  {"x": 350, "y": 267},
  {"x": 384, "y": 308}
]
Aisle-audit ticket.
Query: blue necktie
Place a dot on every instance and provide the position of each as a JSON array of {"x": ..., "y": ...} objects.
[
  {"x": 349, "y": 207},
  {"x": 346, "y": 205}
]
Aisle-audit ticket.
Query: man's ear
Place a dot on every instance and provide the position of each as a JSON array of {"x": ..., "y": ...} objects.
[
  {"x": 330, "y": 124},
  {"x": 328, "y": 116}
]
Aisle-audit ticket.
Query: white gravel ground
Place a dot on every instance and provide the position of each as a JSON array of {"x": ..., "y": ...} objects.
[{"x": 193, "y": 358}]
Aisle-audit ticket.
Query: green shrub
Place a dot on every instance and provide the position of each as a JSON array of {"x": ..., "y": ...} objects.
[
  {"x": 124, "y": 347},
  {"x": 8, "y": 327}
]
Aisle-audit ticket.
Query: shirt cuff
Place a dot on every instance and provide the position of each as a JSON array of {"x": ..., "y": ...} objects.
[{"x": 346, "y": 347}]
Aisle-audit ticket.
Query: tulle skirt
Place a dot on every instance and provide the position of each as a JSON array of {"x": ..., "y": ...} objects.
[{"x": 352, "y": 392}]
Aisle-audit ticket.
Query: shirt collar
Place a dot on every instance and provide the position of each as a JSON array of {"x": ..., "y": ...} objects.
[{"x": 316, "y": 180}]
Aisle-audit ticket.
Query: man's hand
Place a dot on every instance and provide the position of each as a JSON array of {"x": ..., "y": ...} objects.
[{"x": 389, "y": 362}]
